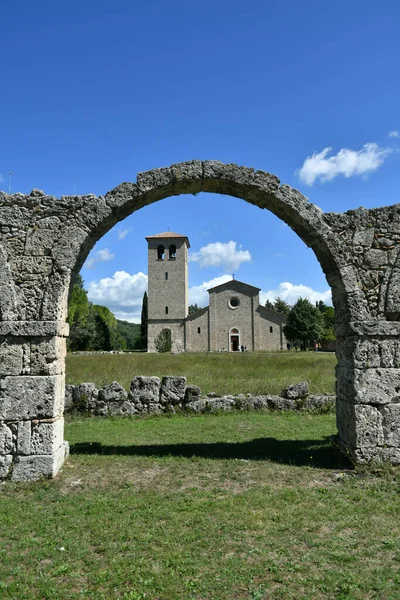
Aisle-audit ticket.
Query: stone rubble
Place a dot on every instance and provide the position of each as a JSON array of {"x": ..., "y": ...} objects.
[{"x": 150, "y": 395}]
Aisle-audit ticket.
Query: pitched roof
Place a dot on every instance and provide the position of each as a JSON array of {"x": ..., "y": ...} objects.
[
  {"x": 168, "y": 234},
  {"x": 234, "y": 283}
]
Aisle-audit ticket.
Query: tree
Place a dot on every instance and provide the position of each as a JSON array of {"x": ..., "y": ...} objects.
[
  {"x": 105, "y": 324},
  {"x": 304, "y": 323},
  {"x": 329, "y": 320},
  {"x": 281, "y": 306},
  {"x": 80, "y": 318},
  {"x": 142, "y": 342},
  {"x": 193, "y": 308},
  {"x": 163, "y": 342},
  {"x": 269, "y": 304},
  {"x": 92, "y": 327}
]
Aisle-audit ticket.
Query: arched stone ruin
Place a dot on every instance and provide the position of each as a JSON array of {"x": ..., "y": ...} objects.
[{"x": 44, "y": 242}]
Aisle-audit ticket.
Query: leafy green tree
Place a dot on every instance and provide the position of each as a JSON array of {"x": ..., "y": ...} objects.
[
  {"x": 329, "y": 320},
  {"x": 163, "y": 341},
  {"x": 304, "y": 323},
  {"x": 193, "y": 308},
  {"x": 269, "y": 304},
  {"x": 105, "y": 323},
  {"x": 80, "y": 317},
  {"x": 281, "y": 306},
  {"x": 142, "y": 342},
  {"x": 129, "y": 333}
]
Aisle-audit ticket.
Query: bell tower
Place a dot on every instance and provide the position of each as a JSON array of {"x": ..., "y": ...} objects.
[{"x": 168, "y": 288}]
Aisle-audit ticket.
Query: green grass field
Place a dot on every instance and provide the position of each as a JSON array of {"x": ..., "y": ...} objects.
[
  {"x": 236, "y": 506},
  {"x": 246, "y": 506},
  {"x": 222, "y": 373}
]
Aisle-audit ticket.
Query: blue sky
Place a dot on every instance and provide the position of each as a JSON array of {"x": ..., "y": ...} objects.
[{"x": 95, "y": 92}]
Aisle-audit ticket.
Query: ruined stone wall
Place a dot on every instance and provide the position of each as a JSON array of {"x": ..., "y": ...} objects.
[{"x": 44, "y": 242}]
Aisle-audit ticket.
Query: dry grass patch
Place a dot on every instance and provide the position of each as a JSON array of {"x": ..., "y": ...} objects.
[{"x": 219, "y": 372}]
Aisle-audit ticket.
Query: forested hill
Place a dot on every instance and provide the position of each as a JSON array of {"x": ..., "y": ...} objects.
[
  {"x": 130, "y": 332},
  {"x": 94, "y": 327}
]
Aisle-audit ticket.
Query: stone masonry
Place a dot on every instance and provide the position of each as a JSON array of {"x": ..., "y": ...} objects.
[{"x": 44, "y": 242}]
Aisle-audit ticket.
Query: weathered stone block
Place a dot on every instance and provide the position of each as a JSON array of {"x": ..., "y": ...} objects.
[
  {"x": 359, "y": 425},
  {"x": 5, "y": 466},
  {"x": 68, "y": 401},
  {"x": 320, "y": 402},
  {"x": 145, "y": 390},
  {"x": 47, "y": 436},
  {"x": 259, "y": 403},
  {"x": 391, "y": 424},
  {"x": 34, "y": 328},
  {"x": 172, "y": 390},
  {"x": 192, "y": 393},
  {"x": 24, "y": 431},
  {"x": 368, "y": 454},
  {"x": 84, "y": 396},
  {"x": 11, "y": 358},
  {"x": 48, "y": 356},
  {"x": 101, "y": 409},
  {"x": 31, "y": 397},
  {"x": 366, "y": 353},
  {"x": 375, "y": 259},
  {"x": 278, "y": 403},
  {"x": 6, "y": 440},
  {"x": 364, "y": 237},
  {"x": 296, "y": 391},
  {"x": 30, "y": 468},
  {"x": 368, "y": 386},
  {"x": 121, "y": 409},
  {"x": 40, "y": 239},
  {"x": 188, "y": 176},
  {"x": 113, "y": 392}
]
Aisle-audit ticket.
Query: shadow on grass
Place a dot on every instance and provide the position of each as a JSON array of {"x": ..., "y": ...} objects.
[{"x": 317, "y": 453}]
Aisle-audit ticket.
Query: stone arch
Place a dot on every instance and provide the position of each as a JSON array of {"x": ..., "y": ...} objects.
[{"x": 44, "y": 242}]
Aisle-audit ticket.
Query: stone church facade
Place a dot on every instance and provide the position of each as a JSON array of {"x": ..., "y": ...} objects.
[{"x": 233, "y": 319}]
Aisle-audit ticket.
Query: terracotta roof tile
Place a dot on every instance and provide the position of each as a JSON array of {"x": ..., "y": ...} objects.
[{"x": 168, "y": 234}]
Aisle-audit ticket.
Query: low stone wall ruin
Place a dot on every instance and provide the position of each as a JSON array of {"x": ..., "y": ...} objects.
[{"x": 152, "y": 395}]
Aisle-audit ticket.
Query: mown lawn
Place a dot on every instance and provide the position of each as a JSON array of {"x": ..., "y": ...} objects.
[
  {"x": 219, "y": 372},
  {"x": 235, "y": 506}
]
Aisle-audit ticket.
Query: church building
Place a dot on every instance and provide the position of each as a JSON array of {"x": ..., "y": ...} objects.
[{"x": 233, "y": 320}]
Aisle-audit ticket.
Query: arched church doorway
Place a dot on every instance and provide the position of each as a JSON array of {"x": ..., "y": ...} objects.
[{"x": 234, "y": 339}]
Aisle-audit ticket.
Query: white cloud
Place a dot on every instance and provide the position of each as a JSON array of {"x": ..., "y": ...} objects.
[
  {"x": 219, "y": 254},
  {"x": 122, "y": 294},
  {"x": 122, "y": 233},
  {"x": 346, "y": 162},
  {"x": 393, "y": 134},
  {"x": 99, "y": 256},
  {"x": 198, "y": 294},
  {"x": 290, "y": 293}
]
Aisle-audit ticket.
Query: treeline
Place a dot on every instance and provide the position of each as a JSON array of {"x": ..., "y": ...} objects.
[
  {"x": 94, "y": 327},
  {"x": 305, "y": 323}
]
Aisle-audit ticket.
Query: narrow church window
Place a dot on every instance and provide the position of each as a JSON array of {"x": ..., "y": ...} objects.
[
  {"x": 166, "y": 275},
  {"x": 172, "y": 251},
  {"x": 166, "y": 310},
  {"x": 198, "y": 330},
  {"x": 271, "y": 329},
  {"x": 160, "y": 252}
]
